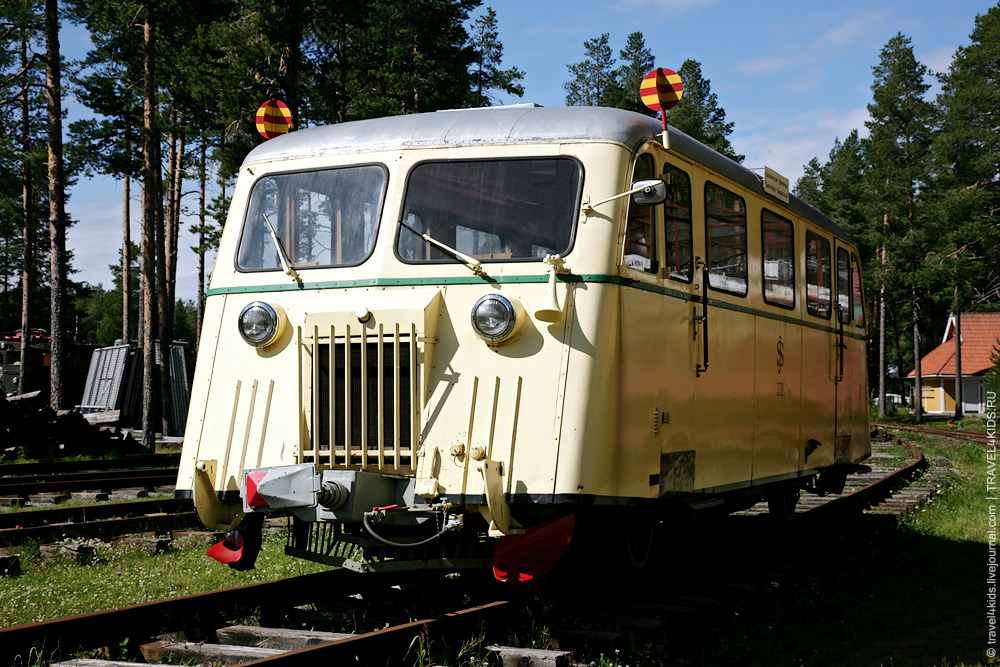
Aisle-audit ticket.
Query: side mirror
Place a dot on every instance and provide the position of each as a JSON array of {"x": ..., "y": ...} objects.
[{"x": 653, "y": 191}]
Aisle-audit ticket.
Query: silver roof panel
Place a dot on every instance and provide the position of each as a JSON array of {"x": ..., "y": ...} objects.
[{"x": 515, "y": 124}]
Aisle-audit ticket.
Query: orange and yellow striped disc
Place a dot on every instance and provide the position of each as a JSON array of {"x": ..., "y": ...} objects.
[
  {"x": 661, "y": 89},
  {"x": 273, "y": 119}
]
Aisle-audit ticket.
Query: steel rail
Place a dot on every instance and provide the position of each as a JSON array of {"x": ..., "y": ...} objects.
[
  {"x": 45, "y": 517},
  {"x": 388, "y": 645},
  {"x": 96, "y": 465},
  {"x": 142, "y": 623},
  {"x": 104, "y": 529},
  {"x": 873, "y": 493},
  {"x": 90, "y": 481}
]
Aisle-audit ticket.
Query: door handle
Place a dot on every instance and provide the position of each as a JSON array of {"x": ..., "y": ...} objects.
[{"x": 703, "y": 318}]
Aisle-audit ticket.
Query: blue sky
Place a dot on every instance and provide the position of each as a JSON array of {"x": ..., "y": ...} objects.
[{"x": 792, "y": 76}]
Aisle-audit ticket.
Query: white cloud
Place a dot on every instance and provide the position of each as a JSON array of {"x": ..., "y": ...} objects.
[
  {"x": 938, "y": 60},
  {"x": 850, "y": 31},
  {"x": 768, "y": 65},
  {"x": 789, "y": 145},
  {"x": 661, "y": 7}
]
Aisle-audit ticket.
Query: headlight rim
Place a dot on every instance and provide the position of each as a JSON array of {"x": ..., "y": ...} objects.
[
  {"x": 275, "y": 316},
  {"x": 513, "y": 319}
]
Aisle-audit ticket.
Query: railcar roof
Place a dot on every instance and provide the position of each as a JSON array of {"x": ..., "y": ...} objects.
[{"x": 526, "y": 123}]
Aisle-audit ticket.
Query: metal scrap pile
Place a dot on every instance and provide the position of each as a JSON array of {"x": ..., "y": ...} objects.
[{"x": 30, "y": 429}]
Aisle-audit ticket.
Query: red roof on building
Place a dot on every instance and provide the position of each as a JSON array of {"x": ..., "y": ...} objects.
[{"x": 980, "y": 334}]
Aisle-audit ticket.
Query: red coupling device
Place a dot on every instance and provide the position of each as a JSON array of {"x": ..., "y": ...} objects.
[{"x": 228, "y": 550}]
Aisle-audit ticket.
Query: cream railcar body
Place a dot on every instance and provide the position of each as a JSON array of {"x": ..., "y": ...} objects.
[{"x": 424, "y": 329}]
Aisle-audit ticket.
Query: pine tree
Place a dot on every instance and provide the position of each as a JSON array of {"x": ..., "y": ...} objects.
[
  {"x": 809, "y": 187},
  {"x": 966, "y": 154},
  {"x": 486, "y": 71},
  {"x": 636, "y": 62},
  {"x": 898, "y": 144},
  {"x": 593, "y": 83},
  {"x": 699, "y": 115}
]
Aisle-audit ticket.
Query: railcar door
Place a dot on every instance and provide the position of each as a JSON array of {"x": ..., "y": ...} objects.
[
  {"x": 725, "y": 334},
  {"x": 657, "y": 395},
  {"x": 820, "y": 361},
  {"x": 851, "y": 371}
]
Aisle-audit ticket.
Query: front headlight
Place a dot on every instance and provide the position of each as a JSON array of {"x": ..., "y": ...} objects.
[
  {"x": 259, "y": 324},
  {"x": 495, "y": 318}
]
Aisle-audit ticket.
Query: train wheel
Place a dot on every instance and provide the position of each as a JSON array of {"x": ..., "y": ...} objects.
[{"x": 781, "y": 503}]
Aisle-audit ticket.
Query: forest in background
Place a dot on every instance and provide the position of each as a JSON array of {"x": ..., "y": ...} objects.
[{"x": 174, "y": 94}]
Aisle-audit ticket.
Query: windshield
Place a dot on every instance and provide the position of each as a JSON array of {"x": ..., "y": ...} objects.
[
  {"x": 322, "y": 218},
  {"x": 491, "y": 210}
]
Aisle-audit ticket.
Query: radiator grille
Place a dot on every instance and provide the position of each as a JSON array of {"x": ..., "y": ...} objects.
[{"x": 364, "y": 414}]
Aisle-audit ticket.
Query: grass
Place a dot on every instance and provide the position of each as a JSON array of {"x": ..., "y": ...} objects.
[
  {"x": 126, "y": 574},
  {"x": 905, "y": 416}
]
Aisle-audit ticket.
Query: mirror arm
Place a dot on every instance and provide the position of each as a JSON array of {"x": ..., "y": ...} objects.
[{"x": 588, "y": 207}]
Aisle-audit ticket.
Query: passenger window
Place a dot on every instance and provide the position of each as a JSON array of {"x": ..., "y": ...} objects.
[
  {"x": 817, "y": 275},
  {"x": 321, "y": 218},
  {"x": 843, "y": 282},
  {"x": 778, "y": 242},
  {"x": 493, "y": 210},
  {"x": 858, "y": 296},
  {"x": 677, "y": 224},
  {"x": 726, "y": 229},
  {"x": 640, "y": 239}
]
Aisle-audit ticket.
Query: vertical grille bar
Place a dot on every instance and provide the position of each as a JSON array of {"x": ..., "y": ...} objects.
[
  {"x": 415, "y": 407},
  {"x": 347, "y": 394},
  {"x": 364, "y": 397},
  {"x": 381, "y": 396},
  {"x": 314, "y": 417},
  {"x": 395, "y": 401},
  {"x": 332, "y": 389},
  {"x": 302, "y": 438}
]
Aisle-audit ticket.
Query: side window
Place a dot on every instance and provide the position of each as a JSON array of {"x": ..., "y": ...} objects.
[
  {"x": 726, "y": 231},
  {"x": 843, "y": 281},
  {"x": 640, "y": 240},
  {"x": 778, "y": 242},
  {"x": 858, "y": 296},
  {"x": 677, "y": 224},
  {"x": 817, "y": 275}
]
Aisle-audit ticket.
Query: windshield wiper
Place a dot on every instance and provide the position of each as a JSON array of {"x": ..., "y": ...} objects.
[
  {"x": 470, "y": 262},
  {"x": 286, "y": 263}
]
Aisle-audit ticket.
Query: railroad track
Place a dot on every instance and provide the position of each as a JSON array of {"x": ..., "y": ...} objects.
[
  {"x": 95, "y": 465},
  {"x": 595, "y": 617},
  {"x": 154, "y": 625},
  {"x": 22, "y": 486},
  {"x": 103, "y": 522},
  {"x": 980, "y": 437},
  {"x": 868, "y": 488}
]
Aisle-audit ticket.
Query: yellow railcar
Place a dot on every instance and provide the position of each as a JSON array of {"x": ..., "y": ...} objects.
[{"x": 424, "y": 332}]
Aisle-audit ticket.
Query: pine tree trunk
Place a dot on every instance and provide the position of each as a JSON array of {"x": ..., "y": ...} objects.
[
  {"x": 174, "y": 226},
  {"x": 27, "y": 247},
  {"x": 57, "y": 213},
  {"x": 126, "y": 257},
  {"x": 881, "y": 327},
  {"x": 164, "y": 225},
  {"x": 202, "y": 176},
  {"x": 959, "y": 408},
  {"x": 881, "y": 353},
  {"x": 150, "y": 204},
  {"x": 918, "y": 386}
]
